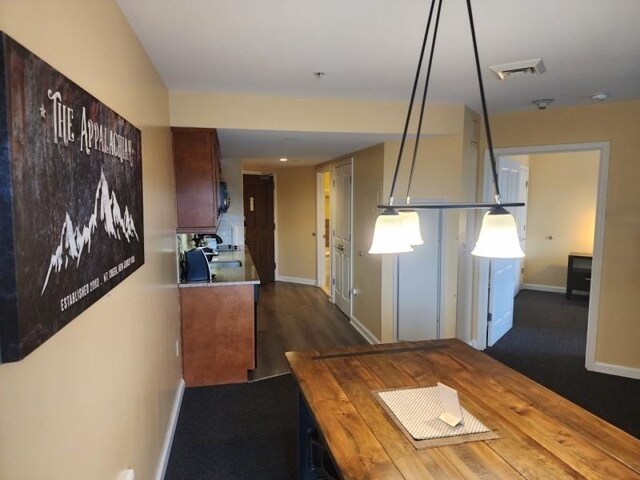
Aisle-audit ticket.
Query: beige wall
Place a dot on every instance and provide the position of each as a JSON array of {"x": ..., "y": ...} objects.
[
  {"x": 569, "y": 180},
  {"x": 296, "y": 222},
  {"x": 96, "y": 397},
  {"x": 259, "y": 112},
  {"x": 618, "y": 334}
]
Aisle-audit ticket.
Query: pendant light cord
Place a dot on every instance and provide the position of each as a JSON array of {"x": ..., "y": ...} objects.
[
  {"x": 424, "y": 96},
  {"x": 485, "y": 112},
  {"x": 413, "y": 95},
  {"x": 484, "y": 104}
]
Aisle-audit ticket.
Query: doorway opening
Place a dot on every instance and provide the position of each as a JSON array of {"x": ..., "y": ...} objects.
[
  {"x": 559, "y": 201},
  {"x": 323, "y": 231}
]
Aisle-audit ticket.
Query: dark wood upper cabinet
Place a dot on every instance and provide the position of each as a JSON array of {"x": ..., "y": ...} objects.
[{"x": 196, "y": 157}]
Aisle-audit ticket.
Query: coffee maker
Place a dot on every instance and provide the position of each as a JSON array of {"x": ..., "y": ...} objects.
[{"x": 196, "y": 266}]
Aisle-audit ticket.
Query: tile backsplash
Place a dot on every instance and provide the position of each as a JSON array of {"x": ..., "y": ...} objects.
[{"x": 231, "y": 230}]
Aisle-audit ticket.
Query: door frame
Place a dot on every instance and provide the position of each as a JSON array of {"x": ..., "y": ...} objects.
[
  {"x": 275, "y": 212},
  {"x": 320, "y": 217},
  {"x": 480, "y": 340},
  {"x": 333, "y": 167}
]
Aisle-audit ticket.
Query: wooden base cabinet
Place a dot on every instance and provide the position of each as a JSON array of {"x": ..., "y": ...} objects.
[{"x": 217, "y": 334}]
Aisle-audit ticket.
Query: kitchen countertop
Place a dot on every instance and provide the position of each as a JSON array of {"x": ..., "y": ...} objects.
[{"x": 243, "y": 275}]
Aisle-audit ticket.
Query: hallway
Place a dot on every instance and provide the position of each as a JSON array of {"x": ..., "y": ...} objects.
[
  {"x": 297, "y": 317},
  {"x": 248, "y": 431}
]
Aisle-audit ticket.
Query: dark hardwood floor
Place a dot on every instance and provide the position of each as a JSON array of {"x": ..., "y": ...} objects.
[{"x": 297, "y": 317}]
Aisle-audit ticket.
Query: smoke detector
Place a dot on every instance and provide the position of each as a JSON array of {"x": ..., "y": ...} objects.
[
  {"x": 542, "y": 103},
  {"x": 524, "y": 67}
]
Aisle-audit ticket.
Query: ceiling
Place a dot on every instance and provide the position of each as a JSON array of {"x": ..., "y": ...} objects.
[{"x": 368, "y": 49}]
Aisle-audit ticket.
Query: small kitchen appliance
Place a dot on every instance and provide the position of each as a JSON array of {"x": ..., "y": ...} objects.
[{"x": 197, "y": 267}]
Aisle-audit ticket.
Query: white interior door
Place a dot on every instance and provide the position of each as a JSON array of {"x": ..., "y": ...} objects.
[
  {"x": 501, "y": 284},
  {"x": 342, "y": 237},
  {"x": 418, "y": 283},
  {"x": 505, "y": 275}
]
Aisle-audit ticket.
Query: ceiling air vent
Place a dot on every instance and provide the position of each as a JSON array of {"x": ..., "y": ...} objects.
[{"x": 524, "y": 67}]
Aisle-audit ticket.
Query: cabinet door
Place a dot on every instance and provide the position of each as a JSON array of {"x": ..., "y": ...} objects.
[{"x": 196, "y": 174}]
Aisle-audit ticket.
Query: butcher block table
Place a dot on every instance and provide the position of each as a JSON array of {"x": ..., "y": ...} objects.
[{"x": 541, "y": 435}]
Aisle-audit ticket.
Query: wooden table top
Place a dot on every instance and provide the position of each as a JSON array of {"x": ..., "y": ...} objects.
[{"x": 542, "y": 435}]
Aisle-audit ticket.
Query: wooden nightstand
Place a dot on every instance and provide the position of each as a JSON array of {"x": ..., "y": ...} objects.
[{"x": 578, "y": 272}]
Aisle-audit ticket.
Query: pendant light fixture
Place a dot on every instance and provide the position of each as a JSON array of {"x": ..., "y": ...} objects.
[
  {"x": 498, "y": 234},
  {"x": 388, "y": 234},
  {"x": 411, "y": 227}
]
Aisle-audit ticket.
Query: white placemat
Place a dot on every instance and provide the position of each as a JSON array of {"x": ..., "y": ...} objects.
[{"x": 418, "y": 409}]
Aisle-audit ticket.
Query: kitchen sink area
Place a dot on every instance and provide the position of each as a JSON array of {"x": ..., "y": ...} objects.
[{"x": 216, "y": 263}]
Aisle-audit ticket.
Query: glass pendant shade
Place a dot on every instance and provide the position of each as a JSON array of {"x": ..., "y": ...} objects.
[
  {"x": 411, "y": 227},
  {"x": 498, "y": 236},
  {"x": 389, "y": 235}
]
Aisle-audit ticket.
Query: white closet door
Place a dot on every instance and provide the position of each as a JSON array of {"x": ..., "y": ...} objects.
[{"x": 418, "y": 283}]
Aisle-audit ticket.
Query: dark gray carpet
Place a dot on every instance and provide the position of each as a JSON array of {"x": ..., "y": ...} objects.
[
  {"x": 547, "y": 344},
  {"x": 237, "y": 432}
]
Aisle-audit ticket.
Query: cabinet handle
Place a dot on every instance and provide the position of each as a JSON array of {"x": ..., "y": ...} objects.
[{"x": 588, "y": 279}]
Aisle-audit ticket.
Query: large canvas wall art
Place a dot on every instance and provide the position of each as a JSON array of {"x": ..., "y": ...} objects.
[{"x": 71, "y": 217}]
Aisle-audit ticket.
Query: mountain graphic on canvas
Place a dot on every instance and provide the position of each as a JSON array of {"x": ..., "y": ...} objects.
[{"x": 74, "y": 240}]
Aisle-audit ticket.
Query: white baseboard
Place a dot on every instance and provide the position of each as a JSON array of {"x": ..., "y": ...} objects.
[
  {"x": 303, "y": 281},
  {"x": 611, "y": 369},
  {"x": 543, "y": 288},
  {"x": 551, "y": 288},
  {"x": 171, "y": 430},
  {"x": 364, "y": 331}
]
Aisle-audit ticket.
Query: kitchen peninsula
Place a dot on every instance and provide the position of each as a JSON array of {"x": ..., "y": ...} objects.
[
  {"x": 345, "y": 432},
  {"x": 218, "y": 322}
]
